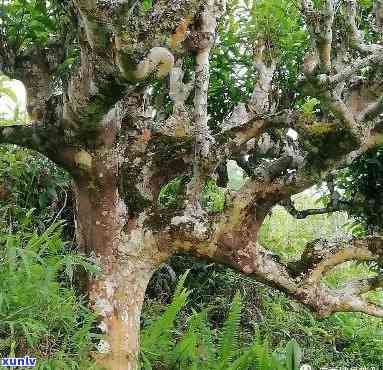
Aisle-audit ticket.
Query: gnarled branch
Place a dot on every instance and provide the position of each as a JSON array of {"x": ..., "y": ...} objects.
[
  {"x": 320, "y": 24},
  {"x": 355, "y": 35},
  {"x": 301, "y": 214},
  {"x": 257, "y": 262},
  {"x": 335, "y": 204}
]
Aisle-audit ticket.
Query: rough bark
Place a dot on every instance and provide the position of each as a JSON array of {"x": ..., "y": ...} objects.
[
  {"x": 117, "y": 297},
  {"x": 127, "y": 254}
]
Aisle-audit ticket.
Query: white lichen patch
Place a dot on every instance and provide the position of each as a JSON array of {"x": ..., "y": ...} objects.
[
  {"x": 200, "y": 230},
  {"x": 144, "y": 187},
  {"x": 125, "y": 316},
  {"x": 93, "y": 89},
  {"x": 111, "y": 286},
  {"x": 83, "y": 159},
  {"x": 192, "y": 219},
  {"x": 103, "y": 327},
  {"x": 137, "y": 239},
  {"x": 103, "y": 307},
  {"x": 103, "y": 347}
]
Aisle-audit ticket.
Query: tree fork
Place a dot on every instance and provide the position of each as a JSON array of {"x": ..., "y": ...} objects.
[{"x": 126, "y": 254}]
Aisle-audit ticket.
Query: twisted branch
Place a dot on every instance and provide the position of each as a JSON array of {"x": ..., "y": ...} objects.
[{"x": 257, "y": 262}]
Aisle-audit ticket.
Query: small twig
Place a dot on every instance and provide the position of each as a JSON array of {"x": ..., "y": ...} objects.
[{"x": 61, "y": 210}]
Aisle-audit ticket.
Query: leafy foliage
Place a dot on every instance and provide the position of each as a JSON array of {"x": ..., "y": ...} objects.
[
  {"x": 31, "y": 22},
  {"x": 39, "y": 314},
  {"x": 24, "y": 186},
  {"x": 309, "y": 106},
  {"x": 362, "y": 184},
  {"x": 213, "y": 197},
  {"x": 200, "y": 347},
  {"x": 172, "y": 194},
  {"x": 278, "y": 24},
  {"x": 147, "y": 4}
]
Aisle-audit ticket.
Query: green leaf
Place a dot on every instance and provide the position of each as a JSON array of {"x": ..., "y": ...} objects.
[
  {"x": 43, "y": 199},
  {"x": 147, "y": 5},
  {"x": 293, "y": 355},
  {"x": 228, "y": 341}
]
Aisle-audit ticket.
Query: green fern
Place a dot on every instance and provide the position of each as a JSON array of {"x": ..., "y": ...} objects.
[
  {"x": 156, "y": 340},
  {"x": 228, "y": 340},
  {"x": 257, "y": 356},
  {"x": 36, "y": 304},
  {"x": 186, "y": 351},
  {"x": 198, "y": 350},
  {"x": 293, "y": 355}
]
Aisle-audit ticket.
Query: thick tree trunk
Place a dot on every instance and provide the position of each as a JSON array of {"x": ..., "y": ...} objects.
[
  {"x": 121, "y": 249},
  {"x": 117, "y": 297}
]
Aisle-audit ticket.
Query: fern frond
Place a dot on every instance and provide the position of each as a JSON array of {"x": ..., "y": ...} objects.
[
  {"x": 156, "y": 338},
  {"x": 145, "y": 363},
  {"x": 228, "y": 339},
  {"x": 257, "y": 356},
  {"x": 207, "y": 343},
  {"x": 196, "y": 348},
  {"x": 293, "y": 355}
]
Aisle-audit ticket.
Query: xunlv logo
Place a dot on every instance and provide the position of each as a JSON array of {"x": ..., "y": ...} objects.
[{"x": 18, "y": 361}]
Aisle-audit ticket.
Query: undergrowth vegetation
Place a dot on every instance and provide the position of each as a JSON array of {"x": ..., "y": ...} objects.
[
  {"x": 266, "y": 316},
  {"x": 201, "y": 347},
  {"x": 41, "y": 186},
  {"x": 41, "y": 313},
  {"x": 210, "y": 318}
]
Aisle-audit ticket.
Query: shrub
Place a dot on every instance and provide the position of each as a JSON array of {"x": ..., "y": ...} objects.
[
  {"x": 40, "y": 314},
  {"x": 200, "y": 347}
]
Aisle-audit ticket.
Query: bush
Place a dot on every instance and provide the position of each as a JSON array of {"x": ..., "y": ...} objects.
[
  {"x": 40, "y": 314},
  {"x": 30, "y": 181},
  {"x": 199, "y": 346}
]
